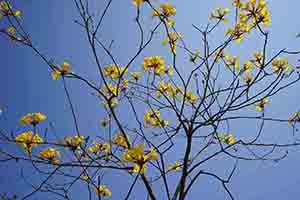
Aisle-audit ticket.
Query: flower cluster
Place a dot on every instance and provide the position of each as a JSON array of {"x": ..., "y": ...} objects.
[
  {"x": 153, "y": 118},
  {"x": 33, "y": 118},
  {"x": 280, "y": 64},
  {"x": 114, "y": 72},
  {"x": 28, "y": 140},
  {"x": 121, "y": 141},
  {"x": 251, "y": 14},
  {"x": 50, "y": 154},
  {"x": 99, "y": 147},
  {"x": 154, "y": 64},
  {"x": 74, "y": 142},
  {"x": 172, "y": 39},
  {"x": 138, "y": 157}
]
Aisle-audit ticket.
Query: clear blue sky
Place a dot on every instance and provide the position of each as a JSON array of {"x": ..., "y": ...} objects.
[{"x": 26, "y": 85}]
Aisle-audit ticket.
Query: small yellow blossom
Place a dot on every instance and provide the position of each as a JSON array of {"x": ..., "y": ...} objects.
[
  {"x": 164, "y": 89},
  {"x": 50, "y": 155},
  {"x": 28, "y": 140},
  {"x": 219, "y": 14},
  {"x": 99, "y": 147},
  {"x": 167, "y": 10},
  {"x": 138, "y": 2},
  {"x": 114, "y": 72},
  {"x": 175, "y": 166},
  {"x": 248, "y": 66},
  {"x": 33, "y": 118},
  {"x": 60, "y": 71},
  {"x": 280, "y": 64},
  {"x": 103, "y": 191},
  {"x": 248, "y": 79},
  {"x": 74, "y": 142},
  {"x": 190, "y": 97},
  {"x": 121, "y": 141},
  {"x": 136, "y": 76},
  {"x": 139, "y": 158},
  {"x": 154, "y": 65},
  {"x": 229, "y": 139},
  {"x": 261, "y": 105},
  {"x": 153, "y": 118}
]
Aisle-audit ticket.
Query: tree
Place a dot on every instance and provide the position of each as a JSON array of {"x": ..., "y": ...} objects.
[{"x": 163, "y": 121}]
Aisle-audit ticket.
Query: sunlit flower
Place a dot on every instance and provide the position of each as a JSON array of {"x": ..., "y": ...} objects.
[
  {"x": 99, "y": 147},
  {"x": 50, "y": 154},
  {"x": 280, "y": 64},
  {"x": 60, "y": 71},
  {"x": 121, "y": 141},
  {"x": 154, "y": 65},
  {"x": 74, "y": 142},
  {"x": 261, "y": 105},
  {"x": 167, "y": 10},
  {"x": 139, "y": 158},
  {"x": 103, "y": 191},
  {"x": 33, "y": 118},
  {"x": 28, "y": 140},
  {"x": 153, "y": 118}
]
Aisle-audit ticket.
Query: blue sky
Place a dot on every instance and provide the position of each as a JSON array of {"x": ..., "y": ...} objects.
[{"x": 26, "y": 85}]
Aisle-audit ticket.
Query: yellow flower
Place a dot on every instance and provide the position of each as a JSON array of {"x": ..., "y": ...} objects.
[
  {"x": 136, "y": 76},
  {"x": 237, "y": 3},
  {"x": 154, "y": 65},
  {"x": 167, "y": 10},
  {"x": 50, "y": 154},
  {"x": 153, "y": 118},
  {"x": 233, "y": 62},
  {"x": 190, "y": 97},
  {"x": 230, "y": 139},
  {"x": 103, "y": 191},
  {"x": 169, "y": 71},
  {"x": 175, "y": 167},
  {"x": 17, "y": 13},
  {"x": 164, "y": 89},
  {"x": 280, "y": 64},
  {"x": 139, "y": 158},
  {"x": 33, "y": 118},
  {"x": 75, "y": 141},
  {"x": 114, "y": 72},
  {"x": 172, "y": 38},
  {"x": 219, "y": 14},
  {"x": 261, "y": 105},
  {"x": 11, "y": 31},
  {"x": 28, "y": 140},
  {"x": 120, "y": 140},
  {"x": 60, "y": 71},
  {"x": 248, "y": 66},
  {"x": 99, "y": 147},
  {"x": 248, "y": 78}
]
